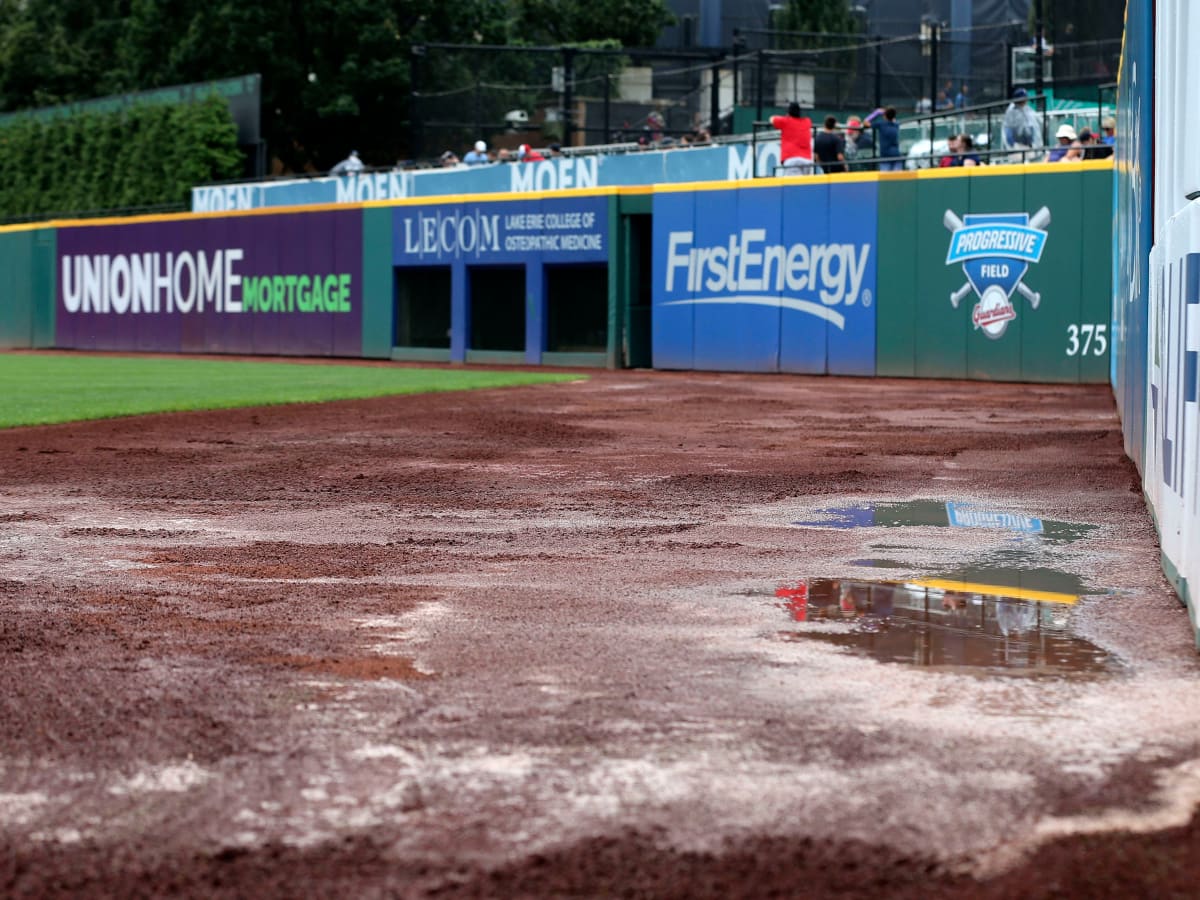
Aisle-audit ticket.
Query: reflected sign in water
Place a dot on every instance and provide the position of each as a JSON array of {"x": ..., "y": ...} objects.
[
  {"x": 944, "y": 514},
  {"x": 947, "y": 624}
]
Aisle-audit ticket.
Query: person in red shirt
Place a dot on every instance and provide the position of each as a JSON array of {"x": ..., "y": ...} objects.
[
  {"x": 795, "y": 141},
  {"x": 525, "y": 153}
]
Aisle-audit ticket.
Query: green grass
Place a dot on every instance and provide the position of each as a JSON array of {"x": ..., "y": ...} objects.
[{"x": 41, "y": 390}]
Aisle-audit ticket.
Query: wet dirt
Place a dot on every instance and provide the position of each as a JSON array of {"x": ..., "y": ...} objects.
[{"x": 524, "y": 642}]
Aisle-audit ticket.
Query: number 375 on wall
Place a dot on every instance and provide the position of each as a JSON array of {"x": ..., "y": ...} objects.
[{"x": 1085, "y": 339}]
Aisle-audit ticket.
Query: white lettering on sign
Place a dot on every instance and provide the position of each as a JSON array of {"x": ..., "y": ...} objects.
[
  {"x": 747, "y": 264},
  {"x": 151, "y": 282},
  {"x": 556, "y": 174},
  {"x": 447, "y": 234}
]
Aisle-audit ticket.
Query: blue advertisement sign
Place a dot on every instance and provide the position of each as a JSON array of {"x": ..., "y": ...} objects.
[
  {"x": 514, "y": 232},
  {"x": 778, "y": 278},
  {"x": 732, "y": 162}
]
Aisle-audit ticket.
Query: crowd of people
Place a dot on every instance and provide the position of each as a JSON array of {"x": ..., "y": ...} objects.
[
  {"x": 871, "y": 142},
  {"x": 838, "y": 148}
]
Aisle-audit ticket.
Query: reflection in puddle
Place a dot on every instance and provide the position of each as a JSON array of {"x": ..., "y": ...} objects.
[
  {"x": 948, "y": 624},
  {"x": 944, "y": 514}
]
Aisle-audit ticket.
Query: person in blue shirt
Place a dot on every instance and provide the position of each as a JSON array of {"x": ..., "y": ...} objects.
[
  {"x": 888, "y": 131},
  {"x": 477, "y": 156},
  {"x": 1109, "y": 127},
  {"x": 966, "y": 152}
]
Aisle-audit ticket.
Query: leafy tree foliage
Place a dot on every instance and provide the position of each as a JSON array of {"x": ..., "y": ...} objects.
[
  {"x": 336, "y": 73},
  {"x": 821, "y": 16},
  {"x": 139, "y": 156},
  {"x": 631, "y": 23}
]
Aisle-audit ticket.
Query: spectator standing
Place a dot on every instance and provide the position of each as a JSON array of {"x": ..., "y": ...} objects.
[
  {"x": 795, "y": 140},
  {"x": 1022, "y": 131},
  {"x": 963, "y": 98},
  {"x": 830, "y": 148},
  {"x": 888, "y": 131},
  {"x": 351, "y": 165},
  {"x": 477, "y": 156}
]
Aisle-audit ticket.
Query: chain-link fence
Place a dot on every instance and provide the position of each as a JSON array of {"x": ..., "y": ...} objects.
[
  {"x": 571, "y": 96},
  {"x": 576, "y": 96}
]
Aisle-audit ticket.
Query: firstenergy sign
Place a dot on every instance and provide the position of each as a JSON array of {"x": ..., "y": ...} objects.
[
  {"x": 815, "y": 279},
  {"x": 770, "y": 278}
]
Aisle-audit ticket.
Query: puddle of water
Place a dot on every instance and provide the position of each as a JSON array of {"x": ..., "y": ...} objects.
[
  {"x": 945, "y": 514},
  {"x": 951, "y": 624},
  {"x": 875, "y": 563}
]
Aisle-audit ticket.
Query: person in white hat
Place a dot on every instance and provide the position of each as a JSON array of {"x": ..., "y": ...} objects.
[
  {"x": 1066, "y": 138},
  {"x": 477, "y": 156}
]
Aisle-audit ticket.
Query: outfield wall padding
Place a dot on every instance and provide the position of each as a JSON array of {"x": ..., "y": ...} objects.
[
  {"x": 1065, "y": 337},
  {"x": 863, "y": 274},
  {"x": 27, "y": 288}
]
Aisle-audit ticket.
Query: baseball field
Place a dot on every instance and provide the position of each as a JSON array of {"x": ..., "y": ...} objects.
[{"x": 636, "y": 634}]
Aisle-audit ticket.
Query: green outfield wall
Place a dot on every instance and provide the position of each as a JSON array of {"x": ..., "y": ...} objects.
[
  {"x": 1065, "y": 337},
  {"x": 999, "y": 273},
  {"x": 27, "y": 288}
]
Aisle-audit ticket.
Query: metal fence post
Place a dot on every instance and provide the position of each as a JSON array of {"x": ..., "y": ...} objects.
[
  {"x": 878, "y": 72},
  {"x": 607, "y": 136},
  {"x": 715, "y": 99},
  {"x": 415, "y": 116},
  {"x": 758, "y": 87},
  {"x": 568, "y": 95}
]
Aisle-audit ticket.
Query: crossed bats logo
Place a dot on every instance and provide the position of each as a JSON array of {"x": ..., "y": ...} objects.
[{"x": 995, "y": 250}]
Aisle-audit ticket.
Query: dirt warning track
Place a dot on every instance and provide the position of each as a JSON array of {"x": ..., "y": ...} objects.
[{"x": 582, "y": 639}]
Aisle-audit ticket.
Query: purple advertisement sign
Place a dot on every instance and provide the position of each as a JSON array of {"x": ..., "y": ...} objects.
[{"x": 266, "y": 284}]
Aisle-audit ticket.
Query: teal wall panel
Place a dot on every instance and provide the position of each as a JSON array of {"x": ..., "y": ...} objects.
[
  {"x": 896, "y": 321},
  {"x": 941, "y": 327},
  {"x": 1056, "y": 279},
  {"x": 378, "y": 294},
  {"x": 45, "y": 286},
  {"x": 1096, "y": 277},
  {"x": 27, "y": 288}
]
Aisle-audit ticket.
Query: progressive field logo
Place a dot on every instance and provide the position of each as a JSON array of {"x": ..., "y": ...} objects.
[{"x": 995, "y": 251}]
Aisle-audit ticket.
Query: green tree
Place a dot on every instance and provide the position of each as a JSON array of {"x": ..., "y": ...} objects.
[
  {"x": 632, "y": 23},
  {"x": 819, "y": 16},
  {"x": 336, "y": 74}
]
